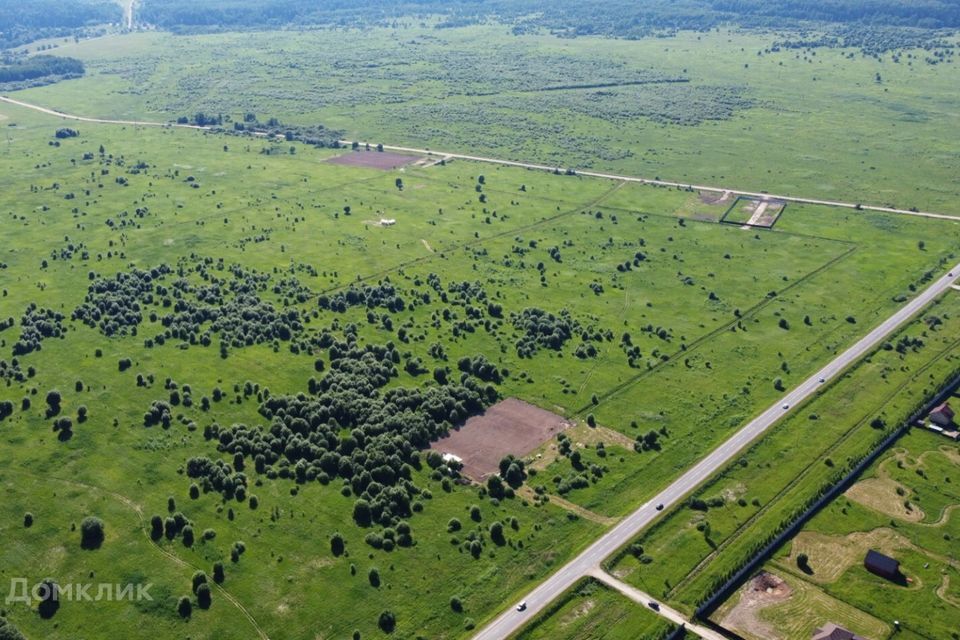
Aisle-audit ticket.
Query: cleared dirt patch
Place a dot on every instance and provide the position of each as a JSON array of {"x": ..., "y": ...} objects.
[
  {"x": 508, "y": 427},
  {"x": 383, "y": 160},
  {"x": 880, "y": 494},
  {"x": 764, "y": 590},
  {"x": 795, "y": 613}
]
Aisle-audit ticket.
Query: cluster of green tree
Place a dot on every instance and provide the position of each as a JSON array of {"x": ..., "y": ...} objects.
[
  {"x": 272, "y": 129},
  {"x": 228, "y": 307},
  {"x": 11, "y": 372},
  {"x": 384, "y": 295},
  {"x": 349, "y": 427},
  {"x": 314, "y": 135},
  {"x": 36, "y": 325},
  {"x": 36, "y": 70},
  {"x": 113, "y": 304},
  {"x": 540, "y": 329},
  {"x": 873, "y": 40},
  {"x": 65, "y": 132},
  {"x": 582, "y": 473},
  {"x": 67, "y": 252},
  {"x": 24, "y": 22}
]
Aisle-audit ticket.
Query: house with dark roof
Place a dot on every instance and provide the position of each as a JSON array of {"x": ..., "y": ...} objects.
[
  {"x": 831, "y": 631},
  {"x": 881, "y": 565},
  {"x": 942, "y": 415}
]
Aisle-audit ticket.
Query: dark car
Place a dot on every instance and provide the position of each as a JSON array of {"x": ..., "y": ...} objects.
[{"x": 654, "y": 605}]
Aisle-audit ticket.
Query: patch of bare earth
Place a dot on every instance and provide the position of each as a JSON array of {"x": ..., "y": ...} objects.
[
  {"x": 713, "y": 197},
  {"x": 580, "y": 611},
  {"x": 383, "y": 160},
  {"x": 764, "y": 590},
  {"x": 880, "y": 494},
  {"x": 509, "y": 427}
]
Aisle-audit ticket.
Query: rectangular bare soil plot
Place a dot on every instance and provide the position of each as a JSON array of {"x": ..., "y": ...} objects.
[
  {"x": 383, "y": 160},
  {"x": 508, "y": 427}
]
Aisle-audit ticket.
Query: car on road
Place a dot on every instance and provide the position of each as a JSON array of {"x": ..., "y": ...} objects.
[
  {"x": 660, "y": 507},
  {"x": 822, "y": 380},
  {"x": 654, "y": 605},
  {"x": 522, "y": 606},
  {"x": 785, "y": 407}
]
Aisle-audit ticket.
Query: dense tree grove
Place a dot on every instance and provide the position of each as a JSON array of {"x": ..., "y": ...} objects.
[
  {"x": 383, "y": 295},
  {"x": 307, "y": 440},
  {"x": 113, "y": 305},
  {"x": 230, "y": 306},
  {"x": 23, "y": 22},
  {"x": 541, "y": 329},
  {"x": 40, "y": 67},
  {"x": 36, "y": 325}
]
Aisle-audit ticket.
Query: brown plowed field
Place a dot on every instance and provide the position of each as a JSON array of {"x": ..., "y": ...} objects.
[
  {"x": 373, "y": 159},
  {"x": 510, "y": 426}
]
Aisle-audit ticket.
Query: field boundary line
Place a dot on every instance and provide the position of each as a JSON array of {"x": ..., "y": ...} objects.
[{"x": 700, "y": 341}]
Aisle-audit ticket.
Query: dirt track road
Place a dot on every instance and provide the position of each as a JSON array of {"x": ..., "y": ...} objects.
[
  {"x": 663, "y": 183},
  {"x": 446, "y": 155}
]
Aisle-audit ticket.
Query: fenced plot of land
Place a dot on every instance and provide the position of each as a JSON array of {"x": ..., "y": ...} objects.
[
  {"x": 508, "y": 427},
  {"x": 373, "y": 159},
  {"x": 754, "y": 212}
]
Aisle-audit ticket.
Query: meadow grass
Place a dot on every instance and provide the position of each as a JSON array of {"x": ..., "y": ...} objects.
[{"x": 698, "y": 379}]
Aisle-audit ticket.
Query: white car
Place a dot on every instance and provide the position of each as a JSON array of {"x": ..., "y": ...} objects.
[
  {"x": 522, "y": 606},
  {"x": 785, "y": 407}
]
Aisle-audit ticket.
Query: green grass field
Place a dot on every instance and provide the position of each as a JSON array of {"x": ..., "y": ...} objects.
[
  {"x": 677, "y": 329},
  {"x": 795, "y": 121},
  {"x": 591, "y": 611}
]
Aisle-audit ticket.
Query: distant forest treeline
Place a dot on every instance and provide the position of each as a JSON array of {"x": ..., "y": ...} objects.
[
  {"x": 608, "y": 17},
  {"x": 40, "y": 67},
  {"x": 23, "y": 21}
]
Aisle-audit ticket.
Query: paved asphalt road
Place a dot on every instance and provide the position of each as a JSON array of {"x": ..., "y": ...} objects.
[{"x": 510, "y": 621}]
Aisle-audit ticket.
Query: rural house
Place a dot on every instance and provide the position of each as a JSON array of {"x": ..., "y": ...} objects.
[
  {"x": 942, "y": 415},
  {"x": 831, "y": 631},
  {"x": 881, "y": 565}
]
